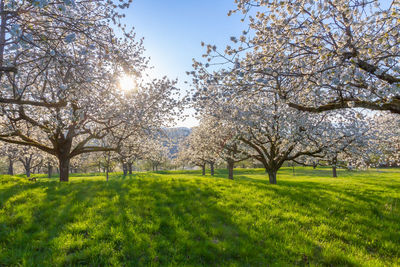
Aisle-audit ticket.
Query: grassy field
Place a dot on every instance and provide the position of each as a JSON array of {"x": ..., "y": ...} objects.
[{"x": 181, "y": 218}]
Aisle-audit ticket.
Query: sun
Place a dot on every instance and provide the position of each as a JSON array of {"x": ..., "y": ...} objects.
[{"x": 127, "y": 83}]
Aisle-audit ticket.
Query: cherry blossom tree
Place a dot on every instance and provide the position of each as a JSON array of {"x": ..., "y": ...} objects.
[
  {"x": 274, "y": 132},
  {"x": 30, "y": 158},
  {"x": 200, "y": 149},
  {"x": 385, "y": 146},
  {"x": 222, "y": 138},
  {"x": 133, "y": 148},
  {"x": 155, "y": 152},
  {"x": 331, "y": 54},
  {"x": 11, "y": 152},
  {"x": 354, "y": 140},
  {"x": 66, "y": 89},
  {"x": 32, "y": 33}
]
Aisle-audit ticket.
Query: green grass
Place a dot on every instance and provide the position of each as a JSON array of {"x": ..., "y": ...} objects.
[{"x": 181, "y": 218}]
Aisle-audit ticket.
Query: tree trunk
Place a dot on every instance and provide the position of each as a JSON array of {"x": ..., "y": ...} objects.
[
  {"x": 314, "y": 165},
  {"x": 334, "y": 173},
  {"x": 212, "y": 168},
  {"x": 49, "y": 170},
  {"x": 334, "y": 162},
  {"x": 130, "y": 167},
  {"x": 125, "y": 168},
  {"x": 27, "y": 166},
  {"x": 64, "y": 168},
  {"x": 230, "y": 169},
  {"x": 10, "y": 166},
  {"x": 272, "y": 176},
  {"x": 203, "y": 169},
  {"x": 107, "y": 171}
]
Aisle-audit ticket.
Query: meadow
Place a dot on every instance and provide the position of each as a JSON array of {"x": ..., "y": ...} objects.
[{"x": 180, "y": 218}]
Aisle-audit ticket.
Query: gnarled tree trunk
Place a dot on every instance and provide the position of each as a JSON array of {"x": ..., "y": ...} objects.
[{"x": 203, "y": 169}]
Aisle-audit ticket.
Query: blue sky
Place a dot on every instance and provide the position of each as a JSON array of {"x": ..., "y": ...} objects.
[{"x": 174, "y": 29}]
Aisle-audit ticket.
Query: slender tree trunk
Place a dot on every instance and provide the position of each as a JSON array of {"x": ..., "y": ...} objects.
[
  {"x": 10, "y": 166},
  {"x": 212, "y": 168},
  {"x": 203, "y": 169},
  {"x": 314, "y": 165},
  {"x": 231, "y": 164},
  {"x": 272, "y": 176},
  {"x": 334, "y": 162},
  {"x": 49, "y": 169},
  {"x": 107, "y": 171}
]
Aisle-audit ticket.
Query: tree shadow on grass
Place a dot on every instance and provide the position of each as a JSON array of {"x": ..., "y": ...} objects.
[
  {"x": 361, "y": 213},
  {"x": 143, "y": 221},
  {"x": 139, "y": 222}
]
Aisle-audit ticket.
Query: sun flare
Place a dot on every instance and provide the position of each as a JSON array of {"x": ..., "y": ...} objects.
[{"x": 127, "y": 83}]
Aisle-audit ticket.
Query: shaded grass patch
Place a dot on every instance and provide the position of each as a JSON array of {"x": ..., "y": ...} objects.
[{"x": 182, "y": 218}]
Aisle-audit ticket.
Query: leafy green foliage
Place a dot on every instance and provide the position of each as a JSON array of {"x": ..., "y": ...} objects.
[{"x": 181, "y": 218}]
